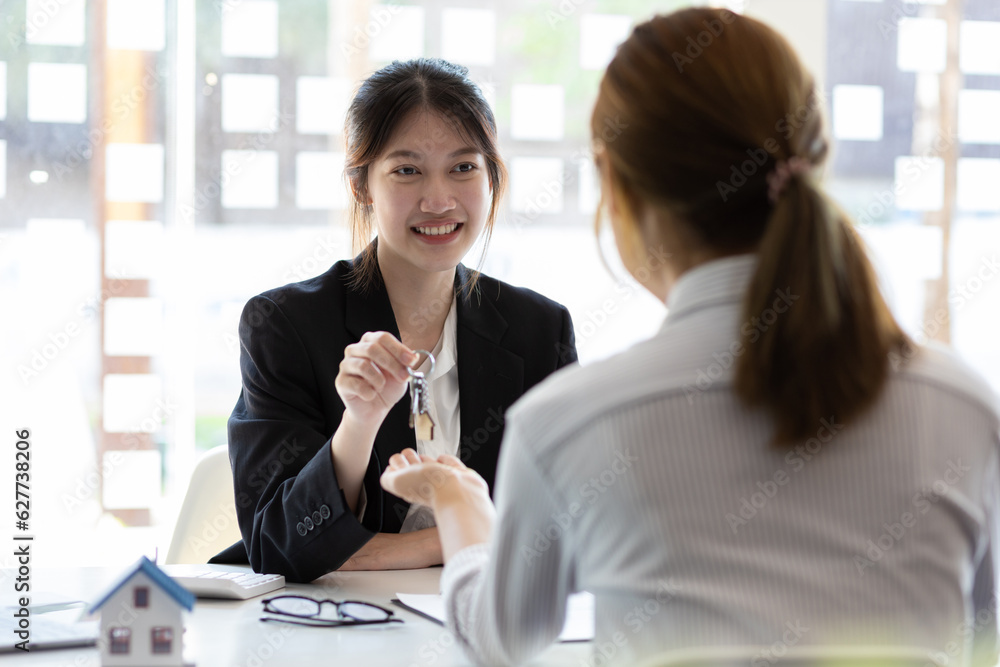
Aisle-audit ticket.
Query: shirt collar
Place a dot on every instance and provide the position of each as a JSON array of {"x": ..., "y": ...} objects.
[
  {"x": 445, "y": 357},
  {"x": 715, "y": 282}
]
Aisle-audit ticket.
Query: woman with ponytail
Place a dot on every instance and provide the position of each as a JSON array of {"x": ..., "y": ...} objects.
[{"x": 762, "y": 471}]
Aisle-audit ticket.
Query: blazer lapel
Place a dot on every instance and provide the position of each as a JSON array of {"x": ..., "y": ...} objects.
[
  {"x": 369, "y": 312},
  {"x": 490, "y": 378}
]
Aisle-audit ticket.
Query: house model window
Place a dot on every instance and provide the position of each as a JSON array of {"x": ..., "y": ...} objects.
[
  {"x": 119, "y": 639},
  {"x": 141, "y": 597},
  {"x": 163, "y": 640}
]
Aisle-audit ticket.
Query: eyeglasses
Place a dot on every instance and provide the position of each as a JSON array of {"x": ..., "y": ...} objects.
[{"x": 303, "y": 610}]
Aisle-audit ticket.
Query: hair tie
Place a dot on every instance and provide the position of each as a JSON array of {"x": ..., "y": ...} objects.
[{"x": 778, "y": 179}]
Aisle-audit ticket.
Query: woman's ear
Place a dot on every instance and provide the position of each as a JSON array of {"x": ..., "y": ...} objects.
[{"x": 359, "y": 193}]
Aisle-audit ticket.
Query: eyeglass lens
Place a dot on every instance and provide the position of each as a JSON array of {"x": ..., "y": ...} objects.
[
  {"x": 294, "y": 606},
  {"x": 308, "y": 608},
  {"x": 360, "y": 611}
]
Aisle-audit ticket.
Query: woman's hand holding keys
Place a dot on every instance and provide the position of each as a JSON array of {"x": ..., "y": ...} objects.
[{"x": 373, "y": 377}]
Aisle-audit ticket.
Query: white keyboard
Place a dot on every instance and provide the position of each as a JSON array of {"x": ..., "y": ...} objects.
[{"x": 241, "y": 585}]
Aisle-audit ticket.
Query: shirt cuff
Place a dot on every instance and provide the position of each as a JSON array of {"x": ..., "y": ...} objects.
[
  {"x": 460, "y": 584},
  {"x": 465, "y": 564}
]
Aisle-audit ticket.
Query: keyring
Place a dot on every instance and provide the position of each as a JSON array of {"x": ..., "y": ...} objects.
[{"x": 420, "y": 374}]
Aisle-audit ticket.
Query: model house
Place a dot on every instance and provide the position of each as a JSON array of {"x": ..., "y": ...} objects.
[{"x": 141, "y": 618}]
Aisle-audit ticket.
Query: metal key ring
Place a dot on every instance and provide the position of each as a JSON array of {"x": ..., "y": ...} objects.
[{"x": 420, "y": 374}]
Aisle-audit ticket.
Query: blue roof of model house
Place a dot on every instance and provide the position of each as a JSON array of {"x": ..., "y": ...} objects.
[{"x": 181, "y": 595}]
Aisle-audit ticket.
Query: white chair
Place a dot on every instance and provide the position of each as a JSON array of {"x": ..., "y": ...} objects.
[
  {"x": 793, "y": 656},
  {"x": 207, "y": 521}
]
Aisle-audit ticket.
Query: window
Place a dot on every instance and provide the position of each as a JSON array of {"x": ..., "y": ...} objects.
[
  {"x": 141, "y": 597},
  {"x": 163, "y": 639},
  {"x": 119, "y": 640},
  {"x": 917, "y": 158}
]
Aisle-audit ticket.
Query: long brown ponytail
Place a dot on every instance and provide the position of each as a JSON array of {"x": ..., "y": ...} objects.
[{"x": 714, "y": 104}]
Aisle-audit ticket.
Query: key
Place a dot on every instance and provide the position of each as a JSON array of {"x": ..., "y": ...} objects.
[
  {"x": 425, "y": 427},
  {"x": 420, "y": 418}
]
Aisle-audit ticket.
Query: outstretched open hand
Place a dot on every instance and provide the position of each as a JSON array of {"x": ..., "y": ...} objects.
[{"x": 418, "y": 479}]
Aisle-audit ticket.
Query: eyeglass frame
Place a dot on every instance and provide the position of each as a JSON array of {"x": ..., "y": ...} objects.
[{"x": 313, "y": 621}]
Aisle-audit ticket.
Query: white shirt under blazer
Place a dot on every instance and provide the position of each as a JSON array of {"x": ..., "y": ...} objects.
[{"x": 644, "y": 480}]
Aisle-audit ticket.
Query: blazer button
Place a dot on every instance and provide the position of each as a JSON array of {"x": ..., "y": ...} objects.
[
  {"x": 300, "y": 528},
  {"x": 309, "y": 523},
  {"x": 317, "y": 518},
  {"x": 324, "y": 511}
]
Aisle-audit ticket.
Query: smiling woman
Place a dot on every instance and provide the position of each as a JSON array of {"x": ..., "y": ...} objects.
[
  {"x": 433, "y": 194},
  {"x": 325, "y": 362},
  {"x": 436, "y": 109}
]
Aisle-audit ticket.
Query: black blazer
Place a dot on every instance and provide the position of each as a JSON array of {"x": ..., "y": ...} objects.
[{"x": 293, "y": 516}]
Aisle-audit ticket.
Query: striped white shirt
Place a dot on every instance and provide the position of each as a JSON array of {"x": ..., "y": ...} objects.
[{"x": 644, "y": 480}]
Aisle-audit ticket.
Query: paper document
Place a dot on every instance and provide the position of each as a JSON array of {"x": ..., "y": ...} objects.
[
  {"x": 579, "y": 626},
  {"x": 48, "y": 631}
]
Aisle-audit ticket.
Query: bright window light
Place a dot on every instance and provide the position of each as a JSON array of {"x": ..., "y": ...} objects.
[
  {"x": 57, "y": 93},
  {"x": 133, "y": 249},
  {"x": 979, "y": 185},
  {"x": 132, "y": 402},
  {"x": 469, "y": 36},
  {"x": 61, "y": 23},
  {"x": 919, "y": 183},
  {"x": 907, "y": 251},
  {"x": 537, "y": 112},
  {"x": 134, "y": 173},
  {"x": 134, "y": 481},
  {"x": 536, "y": 185},
  {"x": 321, "y": 104},
  {"x": 397, "y": 33},
  {"x": 590, "y": 189},
  {"x": 318, "y": 180},
  {"x": 250, "y": 29},
  {"x": 858, "y": 112},
  {"x": 600, "y": 35},
  {"x": 979, "y": 52},
  {"x": 133, "y": 326},
  {"x": 250, "y": 179},
  {"x": 978, "y": 111},
  {"x": 250, "y": 103},
  {"x": 138, "y": 25},
  {"x": 923, "y": 45}
]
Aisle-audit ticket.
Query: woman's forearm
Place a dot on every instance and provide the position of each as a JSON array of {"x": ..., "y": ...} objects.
[
  {"x": 464, "y": 514},
  {"x": 351, "y": 449},
  {"x": 397, "y": 551}
]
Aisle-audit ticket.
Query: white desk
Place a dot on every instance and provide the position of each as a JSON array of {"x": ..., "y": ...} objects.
[{"x": 229, "y": 634}]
